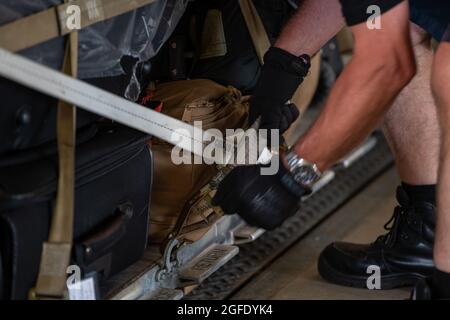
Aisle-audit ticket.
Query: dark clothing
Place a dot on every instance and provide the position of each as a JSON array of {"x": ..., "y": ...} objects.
[
  {"x": 432, "y": 16},
  {"x": 355, "y": 11}
]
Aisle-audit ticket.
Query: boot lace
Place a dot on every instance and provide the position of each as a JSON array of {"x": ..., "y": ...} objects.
[{"x": 393, "y": 226}]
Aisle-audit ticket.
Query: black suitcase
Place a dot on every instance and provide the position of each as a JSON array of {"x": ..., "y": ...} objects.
[
  {"x": 28, "y": 118},
  {"x": 113, "y": 183}
]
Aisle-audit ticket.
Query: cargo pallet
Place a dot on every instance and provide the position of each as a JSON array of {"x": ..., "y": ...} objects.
[{"x": 231, "y": 252}]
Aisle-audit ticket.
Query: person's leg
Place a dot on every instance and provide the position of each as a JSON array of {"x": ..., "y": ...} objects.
[
  {"x": 411, "y": 124},
  {"x": 441, "y": 90},
  {"x": 438, "y": 286},
  {"x": 412, "y": 129}
]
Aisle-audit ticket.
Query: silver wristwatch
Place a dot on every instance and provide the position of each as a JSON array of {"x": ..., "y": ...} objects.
[{"x": 304, "y": 172}]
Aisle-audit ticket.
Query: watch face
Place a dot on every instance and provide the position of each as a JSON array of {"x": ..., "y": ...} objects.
[{"x": 305, "y": 175}]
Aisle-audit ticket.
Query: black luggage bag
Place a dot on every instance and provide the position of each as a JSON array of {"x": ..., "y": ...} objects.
[
  {"x": 112, "y": 195},
  {"x": 239, "y": 66},
  {"x": 28, "y": 118}
]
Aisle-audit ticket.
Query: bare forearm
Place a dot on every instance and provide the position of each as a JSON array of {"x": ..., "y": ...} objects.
[
  {"x": 314, "y": 24},
  {"x": 357, "y": 104},
  {"x": 382, "y": 65}
]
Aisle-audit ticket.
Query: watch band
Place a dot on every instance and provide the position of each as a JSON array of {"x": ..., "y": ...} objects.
[{"x": 304, "y": 172}]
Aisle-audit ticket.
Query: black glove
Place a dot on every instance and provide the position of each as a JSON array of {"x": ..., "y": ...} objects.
[
  {"x": 262, "y": 201},
  {"x": 280, "y": 77}
]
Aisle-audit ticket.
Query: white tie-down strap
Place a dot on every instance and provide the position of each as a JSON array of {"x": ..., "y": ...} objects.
[{"x": 101, "y": 102}]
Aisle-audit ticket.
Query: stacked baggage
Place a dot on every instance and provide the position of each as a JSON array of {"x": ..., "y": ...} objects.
[
  {"x": 112, "y": 192},
  {"x": 113, "y": 165},
  {"x": 126, "y": 189}
]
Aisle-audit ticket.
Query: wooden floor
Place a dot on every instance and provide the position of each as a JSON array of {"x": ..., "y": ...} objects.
[{"x": 294, "y": 275}]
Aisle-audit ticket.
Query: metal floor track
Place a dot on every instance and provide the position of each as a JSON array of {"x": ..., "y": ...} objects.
[{"x": 255, "y": 256}]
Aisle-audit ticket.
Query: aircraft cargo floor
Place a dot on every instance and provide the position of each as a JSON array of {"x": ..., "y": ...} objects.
[{"x": 294, "y": 275}]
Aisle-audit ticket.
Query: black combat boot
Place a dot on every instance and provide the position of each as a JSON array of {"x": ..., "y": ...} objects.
[
  {"x": 403, "y": 256},
  {"x": 423, "y": 290},
  {"x": 436, "y": 287}
]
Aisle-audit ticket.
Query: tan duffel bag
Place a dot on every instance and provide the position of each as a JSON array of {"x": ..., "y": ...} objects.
[{"x": 218, "y": 107}]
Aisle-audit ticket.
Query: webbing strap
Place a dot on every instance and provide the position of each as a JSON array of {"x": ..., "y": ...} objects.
[
  {"x": 256, "y": 28},
  {"x": 56, "y": 252},
  {"x": 57, "y": 21}
]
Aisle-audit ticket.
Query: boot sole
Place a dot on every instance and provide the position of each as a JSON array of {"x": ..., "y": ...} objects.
[{"x": 391, "y": 281}]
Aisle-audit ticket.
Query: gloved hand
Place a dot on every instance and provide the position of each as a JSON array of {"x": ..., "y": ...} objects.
[
  {"x": 274, "y": 115},
  {"x": 280, "y": 77},
  {"x": 261, "y": 200}
]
